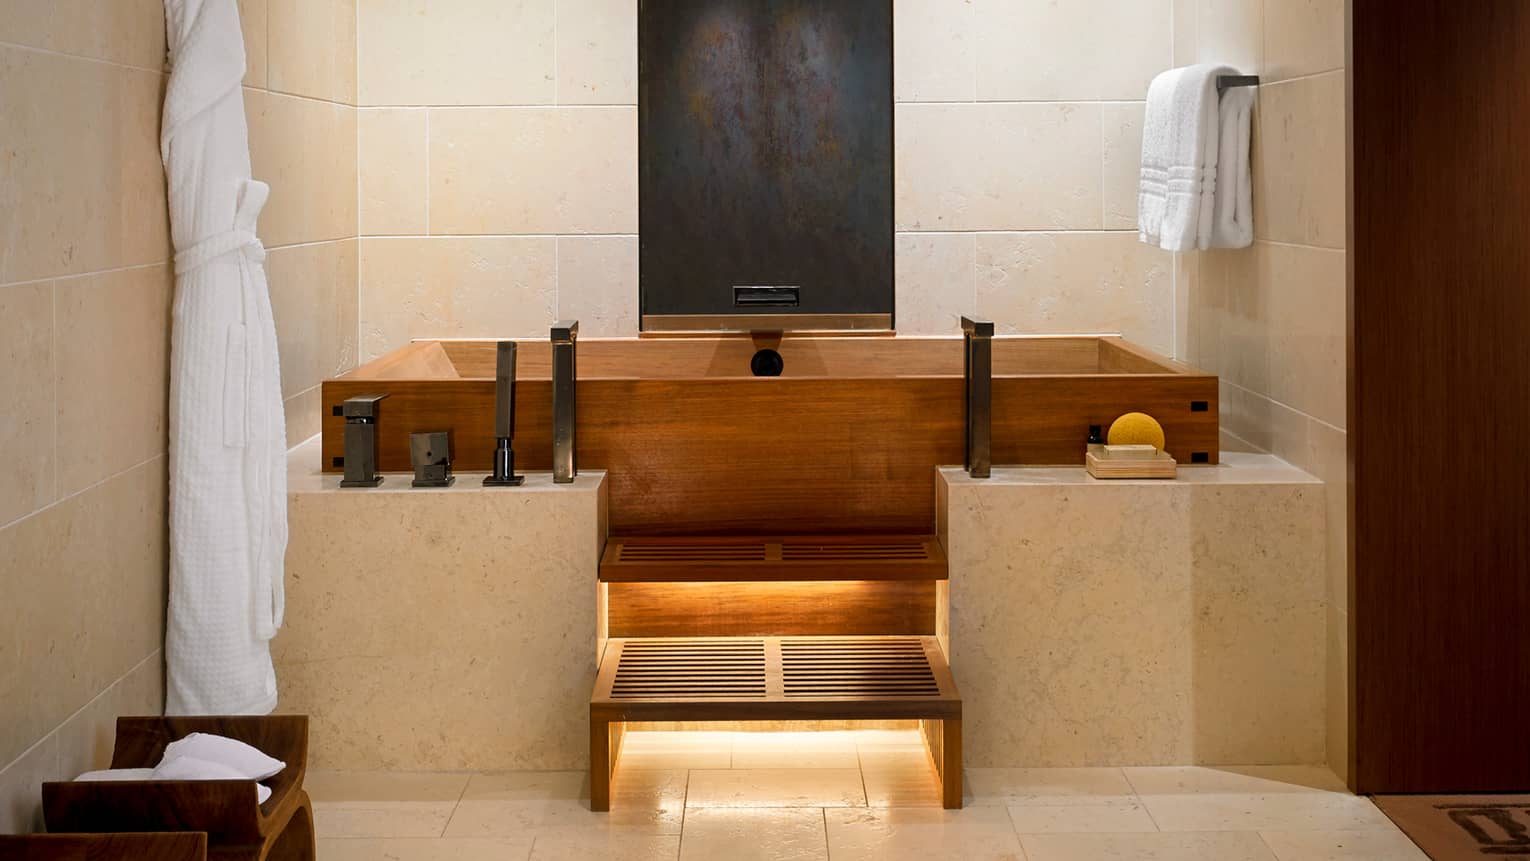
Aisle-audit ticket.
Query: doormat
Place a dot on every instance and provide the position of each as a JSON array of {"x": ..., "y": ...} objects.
[{"x": 1461, "y": 827}]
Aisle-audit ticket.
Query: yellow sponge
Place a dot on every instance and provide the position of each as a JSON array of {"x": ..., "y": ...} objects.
[{"x": 1136, "y": 429}]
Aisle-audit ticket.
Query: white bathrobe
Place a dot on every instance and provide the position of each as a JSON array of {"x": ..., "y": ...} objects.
[{"x": 228, "y": 500}]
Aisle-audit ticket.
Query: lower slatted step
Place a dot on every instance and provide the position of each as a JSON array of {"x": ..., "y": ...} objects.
[{"x": 773, "y": 679}]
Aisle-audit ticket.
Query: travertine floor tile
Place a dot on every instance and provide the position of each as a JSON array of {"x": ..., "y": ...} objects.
[
  {"x": 904, "y": 755},
  {"x": 899, "y": 775},
  {"x": 783, "y": 834},
  {"x": 738, "y": 814},
  {"x": 975, "y": 834},
  {"x": 603, "y": 845},
  {"x": 381, "y": 818},
  {"x": 1279, "y": 812},
  {"x": 864, "y": 737},
  {"x": 795, "y": 750},
  {"x": 671, "y": 750},
  {"x": 1146, "y": 847},
  {"x": 511, "y": 803},
  {"x": 1115, "y": 817},
  {"x": 1254, "y": 779},
  {"x": 1047, "y": 786},
  {"x": 1375, "y": 845},
  {"x": 426, "y": 849},
  {"x": 362, "y": 786},
  {"x": 777, "y": 787}
]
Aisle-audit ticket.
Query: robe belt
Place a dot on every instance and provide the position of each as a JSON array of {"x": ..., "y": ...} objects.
[{"x": 241, "y": 237}]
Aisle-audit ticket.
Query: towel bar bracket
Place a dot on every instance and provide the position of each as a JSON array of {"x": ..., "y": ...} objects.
[{"x": 1227, "y": 82}]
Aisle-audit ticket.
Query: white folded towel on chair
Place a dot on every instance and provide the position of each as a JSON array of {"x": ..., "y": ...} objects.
[
  {"x": 111, "y": 775},
  {"x": 1182, "y": 146},
  {"x": 191, "y": 768},
  {"x": 248, "y": 761}
]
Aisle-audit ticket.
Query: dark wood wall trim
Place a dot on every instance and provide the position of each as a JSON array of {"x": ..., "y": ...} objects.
[{"x": 1439, "y": 395}]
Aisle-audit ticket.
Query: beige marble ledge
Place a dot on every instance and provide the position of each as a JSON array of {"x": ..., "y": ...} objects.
[
  {"x": 1151, "y": 622},
  {"x": 305, "y": 475},
  {"x": 1236, "y": 468},
  {"x": 484, "y": 599}
]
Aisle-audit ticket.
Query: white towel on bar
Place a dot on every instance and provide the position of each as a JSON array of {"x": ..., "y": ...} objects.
[
  {"x": 1181, "y": 147},
  {"x": 1232, "y": 220}
]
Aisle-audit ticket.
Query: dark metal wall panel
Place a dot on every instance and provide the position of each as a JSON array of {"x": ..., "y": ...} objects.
[{"x": 766, "y": 154}]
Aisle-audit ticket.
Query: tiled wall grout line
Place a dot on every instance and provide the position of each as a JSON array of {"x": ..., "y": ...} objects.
[
  {"x": 1296, "y": 79},
  {"x": 32, "y": 282},
  {"x": 159, "y": 70},
  {"x": 304, "y": 97},
  {"x": 1278, "y": 243},
  {"x": 84, "y": 490},
  {"x": 53, "y": 381},
  {"x": 53, "y": 733},
  {"x": 1244, "y": 441},
  {"x": 1284, "y": 405},
  {"x": 310, "y": 244}
]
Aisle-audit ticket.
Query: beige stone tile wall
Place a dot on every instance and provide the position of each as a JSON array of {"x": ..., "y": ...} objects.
[
  {"x": 300, "y": 100},
  {"x": 1270, "y": 320},
  {"x": 1018, "y": 130},
  {"x": 86, "y": 285}
]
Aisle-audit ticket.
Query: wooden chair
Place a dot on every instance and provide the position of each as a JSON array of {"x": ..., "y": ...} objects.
[
  {"x": 181, "y": 846},
  {"x": 236, "y": 826}
]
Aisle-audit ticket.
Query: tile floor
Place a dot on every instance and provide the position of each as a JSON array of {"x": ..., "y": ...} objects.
[{"x": 847, "y": 795}]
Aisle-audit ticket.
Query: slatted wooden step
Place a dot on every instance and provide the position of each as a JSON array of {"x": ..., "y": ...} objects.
[
  {"x": 734, "y": 559},
  {"x": 773, "y": 679}
]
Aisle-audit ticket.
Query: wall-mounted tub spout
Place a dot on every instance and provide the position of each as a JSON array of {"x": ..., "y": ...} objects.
[
  {"x": 361, "y": 441},
  {"x": 565, "y": 373},
  {"x": 977, "y": 371},
  {"x": 504, "y": 419}
]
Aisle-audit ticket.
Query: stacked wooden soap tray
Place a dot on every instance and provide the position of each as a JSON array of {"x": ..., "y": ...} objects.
[{"x": 1130, "y": 461}]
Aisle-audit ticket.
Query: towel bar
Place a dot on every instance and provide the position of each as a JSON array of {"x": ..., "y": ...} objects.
[{"x": 1227, "y": 82}]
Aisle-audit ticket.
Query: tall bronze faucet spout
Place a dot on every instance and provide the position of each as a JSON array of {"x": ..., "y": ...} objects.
[
  {"x": 565, "y": 335},
  {"x": 504, "y": 419}
]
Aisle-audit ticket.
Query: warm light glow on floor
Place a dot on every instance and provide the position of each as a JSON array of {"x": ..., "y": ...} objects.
[{"x": 744, "y": 768}]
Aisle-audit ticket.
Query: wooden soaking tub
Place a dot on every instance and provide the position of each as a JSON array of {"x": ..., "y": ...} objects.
[{"x": 846, "y": 440}]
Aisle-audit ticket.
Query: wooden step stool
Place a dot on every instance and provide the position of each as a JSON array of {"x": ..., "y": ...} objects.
[
  {"x": 236, "y": 826},
  {"x": 775, "y": 679},
  {"x": 178, "y": 846},
  {"x": 750, "y": 628}
]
